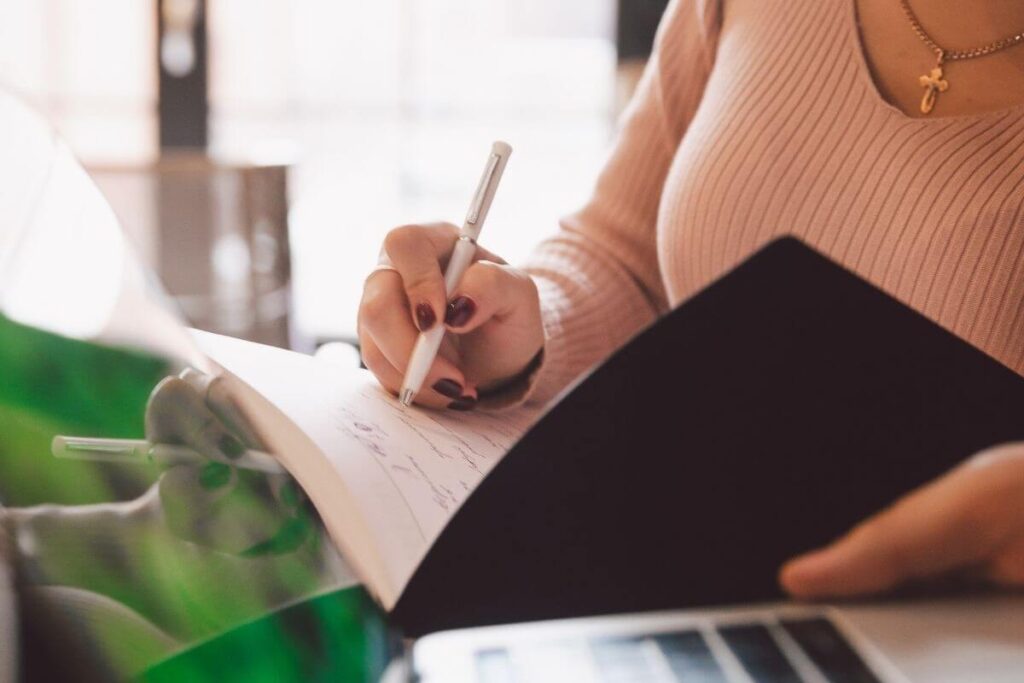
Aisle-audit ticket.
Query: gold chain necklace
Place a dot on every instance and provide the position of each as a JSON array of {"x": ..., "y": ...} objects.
[{"x": 934, "y": 83}]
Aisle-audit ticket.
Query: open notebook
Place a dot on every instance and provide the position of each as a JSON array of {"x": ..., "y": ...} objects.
[
  {"x": 385, "y": 478},
  {"x": 762, "y": 418}
]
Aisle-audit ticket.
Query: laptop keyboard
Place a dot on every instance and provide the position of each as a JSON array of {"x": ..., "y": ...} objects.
[
  {"x": 688, "y": 657},
  {"x": 759, "y": 653},
  {"x": 805, "y": 650}
]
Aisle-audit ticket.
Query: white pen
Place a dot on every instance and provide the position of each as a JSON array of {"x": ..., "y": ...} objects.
[
  {"x": 141, "y": 451},
  {"x": 425, "y": 351}
]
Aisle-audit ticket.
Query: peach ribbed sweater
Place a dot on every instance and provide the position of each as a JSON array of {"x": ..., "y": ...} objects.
[{"x": 757, "y": 118}]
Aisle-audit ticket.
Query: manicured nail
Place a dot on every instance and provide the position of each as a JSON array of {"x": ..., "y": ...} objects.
[
  {"x": 448, "y": 387},
  {"x": 459, "y": 311},
  {"x": 213, "y": 475},
  {"x": 230, "y": 446},
  {"x": 464, "y": 403},
  {"x": 425, "y": 317}
]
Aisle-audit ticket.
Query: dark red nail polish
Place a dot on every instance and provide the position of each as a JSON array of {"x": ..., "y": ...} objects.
[
  {"x": 464, "y": 403},
  {"x": 448, "y": 387},
  {"x": 425, "y": 317},
  {"x": 459, "y": 311}
]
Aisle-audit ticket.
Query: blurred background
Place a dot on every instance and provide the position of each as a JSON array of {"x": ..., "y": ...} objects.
[{"x": 256, "y": 151}]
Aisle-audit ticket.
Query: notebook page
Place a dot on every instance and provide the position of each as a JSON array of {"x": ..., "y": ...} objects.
[
  {"x": 406, "y": 469},
  {"x": 433, "y": 459}
]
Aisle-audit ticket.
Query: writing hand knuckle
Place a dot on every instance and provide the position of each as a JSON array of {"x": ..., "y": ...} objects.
[
  {"x": 446, "y": 229},
  {"x": 374, "y": 307},
  {"x": 491, "y": 276},
  {"x": 532, "y": 289},
  {"x": 523, "y": 281},
  {"x": 420, "y": 282},
  {"x": 399, "y": 238}
]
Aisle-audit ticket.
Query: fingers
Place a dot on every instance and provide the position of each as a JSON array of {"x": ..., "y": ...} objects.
[
  {"x": 487, "y": 291},
  {"x": 408, "y": 297},
  {"x": 387, "y": 336},
  {"x": 417, "y": 253},
  {"x": 439, "y": 390},
  {"x": 957, "y": 522},
  {"x": 177, "y": 414},
  {"x": 215, "y": 393},
  {"x": 495, "y": 312}
]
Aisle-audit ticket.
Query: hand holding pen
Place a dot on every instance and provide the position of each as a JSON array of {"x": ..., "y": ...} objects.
[
  {"x": 219, "y": 488},
  {"x": 194, "y": 422},
  {"x": 473, "y": 320}
]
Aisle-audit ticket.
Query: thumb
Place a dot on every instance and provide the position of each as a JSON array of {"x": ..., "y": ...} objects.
[
  {"x": 943, "y": 526},
  {"x": 488, "y": 290}
]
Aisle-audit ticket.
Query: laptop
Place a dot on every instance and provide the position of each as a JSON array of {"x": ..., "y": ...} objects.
[{"x": 957, "y": 640}]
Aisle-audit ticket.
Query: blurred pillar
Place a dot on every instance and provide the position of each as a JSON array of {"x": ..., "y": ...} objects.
[
  {"x": 217, "y": 236},
  {"x": 221, "y": 230},
  {"x": 182, "y": 59}
]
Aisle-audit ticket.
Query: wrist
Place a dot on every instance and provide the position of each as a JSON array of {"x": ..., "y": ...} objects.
[{"x": 507, "y": 390}]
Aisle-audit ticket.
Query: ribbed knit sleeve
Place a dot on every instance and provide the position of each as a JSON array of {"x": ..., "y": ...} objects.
[
  {"x": 598, "y": 277},
  {"x": 763, "y": 119}
]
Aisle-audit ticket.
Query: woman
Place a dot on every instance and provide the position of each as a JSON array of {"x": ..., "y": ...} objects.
[{"x": 888, "y": 135}]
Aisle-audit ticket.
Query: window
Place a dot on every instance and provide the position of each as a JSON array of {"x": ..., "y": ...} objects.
[
  {"x": 389, "y": 108},
  {"x": 89, "y": 68},
  {"x": 385, "y": 108}
]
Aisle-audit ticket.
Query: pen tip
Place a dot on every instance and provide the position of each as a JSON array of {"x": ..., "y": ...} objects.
[{"x": 406, "y": 397}]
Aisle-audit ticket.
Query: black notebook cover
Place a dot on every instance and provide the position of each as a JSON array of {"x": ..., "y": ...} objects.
[{"x": 762, "y": 418}]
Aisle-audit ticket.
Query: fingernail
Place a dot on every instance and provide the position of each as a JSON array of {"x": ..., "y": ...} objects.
[
  {"x": 213, "y": 475},
  {"x": 425, "y": 317},
  {"x": 448, "y": 387},
  {"x": 230, "y": 446},
  {"x": 459, "y": 311},
  {"x": 464, "y": 403}
]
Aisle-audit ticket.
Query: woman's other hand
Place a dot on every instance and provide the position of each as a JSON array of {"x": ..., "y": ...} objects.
[
  {"x": 968, "y": 522},
  {"x": 493, "y": 317},
  {"x": 214, "y": 503}
]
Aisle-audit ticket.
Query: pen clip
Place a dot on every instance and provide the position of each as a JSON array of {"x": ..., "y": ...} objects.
[{"x": 481, "y": 191}]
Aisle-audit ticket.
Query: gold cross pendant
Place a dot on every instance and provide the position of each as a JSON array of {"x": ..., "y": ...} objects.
[{"x": 933, "y": 84}]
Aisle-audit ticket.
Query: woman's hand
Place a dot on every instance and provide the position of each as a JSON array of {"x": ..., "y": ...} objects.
[
  {"x": 969, "y": 521},
  {"x": 494, "y": 317},
  {"x": 212, "y": 503},
  {"x": 206, "y": 547}
]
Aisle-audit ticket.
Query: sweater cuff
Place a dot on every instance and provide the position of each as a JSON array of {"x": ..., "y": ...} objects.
[{"x": 574, "y": 342}]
